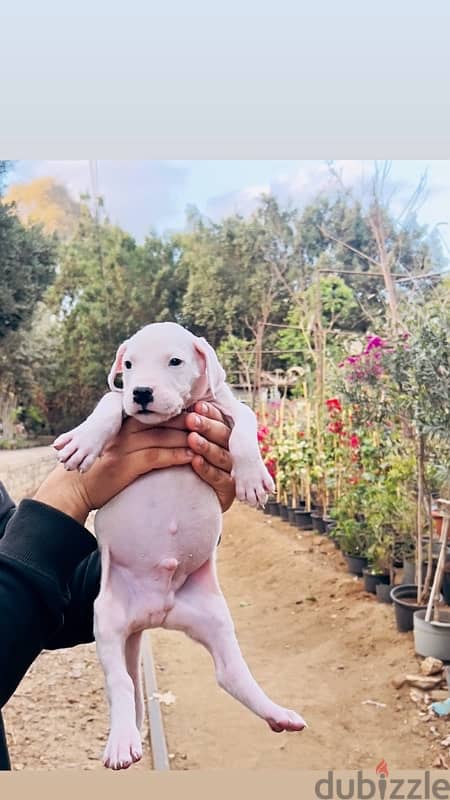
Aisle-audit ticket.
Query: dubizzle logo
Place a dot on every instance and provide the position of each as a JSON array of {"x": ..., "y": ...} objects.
[
  {"x": 383, "y": 773},
  {"x": 384, "y": 787}
]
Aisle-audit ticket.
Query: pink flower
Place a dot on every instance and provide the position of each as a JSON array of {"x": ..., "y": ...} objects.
[
  {"x": 354, "y": 441},
  {"x": 374, "y": 341}
]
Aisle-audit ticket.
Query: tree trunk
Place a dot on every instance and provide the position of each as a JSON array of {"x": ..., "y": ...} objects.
[
  {"x": 420, "y": 499},
  {"x": 7, "y": 412}
]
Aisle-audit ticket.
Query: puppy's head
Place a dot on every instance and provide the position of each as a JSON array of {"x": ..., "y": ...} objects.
[{"x": 165, "y": 369}]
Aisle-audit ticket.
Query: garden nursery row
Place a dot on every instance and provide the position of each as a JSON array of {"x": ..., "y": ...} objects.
[{"x": 368, "y": 467}]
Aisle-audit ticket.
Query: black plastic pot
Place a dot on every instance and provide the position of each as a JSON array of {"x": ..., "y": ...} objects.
[
  {"x": 291, "y": 516},
  {"x": 318, "y": 523},
  {"x": 270, "y": 506},
  {"x": 409, "y": 571},
  {"x": 446, "y": 587},
  {"x": 355, "y": 564},
  {"x": 329, "y": 525},
  {"x": 383, "y": 592},
  {"x": 371, "y": 581},
  {"x": 303, "y": 520},
  {"x": 284, "y": 512},
  {"x": 404, "y": 612}
]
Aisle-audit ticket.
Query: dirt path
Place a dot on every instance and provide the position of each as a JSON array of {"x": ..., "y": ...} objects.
[
  {"x": 10, "y": 459},
  {"x": 312, "y": 638},
  {"x": 316, "y": 642}
]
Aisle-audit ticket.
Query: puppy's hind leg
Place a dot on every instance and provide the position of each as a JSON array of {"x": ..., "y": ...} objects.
[
  {"x": 133, "y": 660},
  {"x": 111, "y": 632},
  {"x": 201, "y": 611}
]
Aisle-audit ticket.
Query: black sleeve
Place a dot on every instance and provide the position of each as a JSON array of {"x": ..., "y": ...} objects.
[
  {"x": 40, "y": 552},
  {"x": 49, "y": 578}
]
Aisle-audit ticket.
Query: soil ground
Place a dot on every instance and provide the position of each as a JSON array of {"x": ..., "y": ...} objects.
[
  {"x": 17, "y": 458},
  {"x": 313, "y": 639}
]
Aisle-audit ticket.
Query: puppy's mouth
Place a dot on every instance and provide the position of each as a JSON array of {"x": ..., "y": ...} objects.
[{"x": 145, "y": 411}]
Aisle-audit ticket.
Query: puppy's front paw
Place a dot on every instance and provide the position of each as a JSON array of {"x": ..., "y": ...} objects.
[
  {"x": 253, "y": 482},
  {"x": 78, "y": 448}
]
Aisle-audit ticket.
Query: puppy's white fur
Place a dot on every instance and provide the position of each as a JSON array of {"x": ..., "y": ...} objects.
[{"x": 158, "y": 536}]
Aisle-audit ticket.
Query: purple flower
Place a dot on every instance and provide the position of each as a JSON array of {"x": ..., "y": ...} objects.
[{"x": 374, "y": 341}]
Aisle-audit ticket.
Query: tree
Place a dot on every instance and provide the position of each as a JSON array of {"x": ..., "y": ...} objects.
[
  {"x": 44, "y": 201},
  {"x": 27, "y": 265}
]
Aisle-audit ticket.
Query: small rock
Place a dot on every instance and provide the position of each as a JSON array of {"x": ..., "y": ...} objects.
[
  {"x": 424, "y": 682},
  {"x": 398, "y": 681},
  {"x": 431, "y": 666},
  {"x": 417, "y": 696},
  {"x": 440, "y": 762},
  {"x": 446, "y": 742},
  {"x": 439, "y": 694}
]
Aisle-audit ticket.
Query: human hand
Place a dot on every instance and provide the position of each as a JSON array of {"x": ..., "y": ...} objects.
[{"x": 137, "y": 450}]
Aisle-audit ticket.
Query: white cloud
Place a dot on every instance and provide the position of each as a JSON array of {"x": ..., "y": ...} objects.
[{"x": 295, "y": 188}]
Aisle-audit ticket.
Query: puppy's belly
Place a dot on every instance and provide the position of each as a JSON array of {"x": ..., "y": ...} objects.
[{"x": 168, "y": 513}]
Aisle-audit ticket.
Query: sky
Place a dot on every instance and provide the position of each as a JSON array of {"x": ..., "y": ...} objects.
[{"x": 153, "y": 195}]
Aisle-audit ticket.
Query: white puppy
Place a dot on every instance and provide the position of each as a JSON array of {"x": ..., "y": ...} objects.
[{"x": 158, "y": 536}]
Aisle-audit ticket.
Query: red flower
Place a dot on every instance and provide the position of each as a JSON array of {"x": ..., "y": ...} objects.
[
  {"x": 262, "y": 433},
  {"x": 334, "y": 404},
  {"x": 335, "y": 427},
  {"x": 271, "y": 467},
  {"x": 354, "y": 441}
]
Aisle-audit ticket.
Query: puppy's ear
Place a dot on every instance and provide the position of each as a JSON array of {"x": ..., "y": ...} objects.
[
  {"x": 214, "y": 371},
  {"x": 117, "y": 367}
]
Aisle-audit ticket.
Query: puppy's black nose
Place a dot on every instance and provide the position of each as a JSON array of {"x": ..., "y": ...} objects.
[{"x": 143, "y": 395}]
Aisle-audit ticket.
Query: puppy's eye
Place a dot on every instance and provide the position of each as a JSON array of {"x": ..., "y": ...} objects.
[
  {"x": 175, "y": 362},
  {"x": 127, "y": 364}
]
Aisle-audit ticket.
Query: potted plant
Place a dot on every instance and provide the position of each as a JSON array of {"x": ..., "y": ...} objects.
[
  {"x": 432, "y": 625},
  {"x": 353, "y": 537}
]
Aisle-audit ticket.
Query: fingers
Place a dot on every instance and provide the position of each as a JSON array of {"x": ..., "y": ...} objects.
[
  {"x": 156, "y": 438},
  {"x": 220, "y": 481},
  {"x": 208, "y": 410},
  {"x": 214, "y": 454},
  {"x": 142, "y": 461},
  {"x": 132, "y": 425},
  {"x": 213, "y": 430}
]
